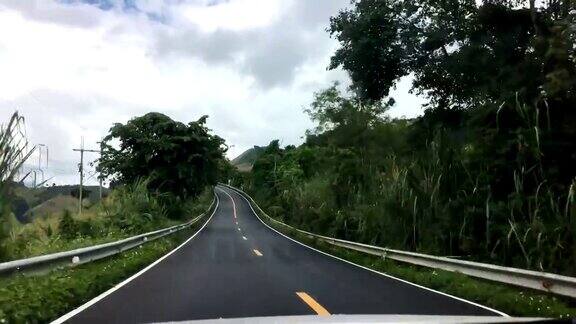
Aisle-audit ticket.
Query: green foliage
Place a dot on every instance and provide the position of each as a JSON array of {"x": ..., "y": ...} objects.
[
  {"x": 115, "y": 218},
  {"x": 14, "y": 151},
  {"x": 510, "y": 300},
  {"x": 40, "y": 299},
  {"x": 68, "y": 226},
  {"x": 431, "y": 185},
  {"x": 371, "y": 33},
  {"x": 178, "y": 159},
  {"x": 71, "y": 229},
  {"x": 487, "y": 173},
  {"x": 133, "y": 209},
  {"x": 199, "y": 205},
  {"x": 461, "y": 53}
]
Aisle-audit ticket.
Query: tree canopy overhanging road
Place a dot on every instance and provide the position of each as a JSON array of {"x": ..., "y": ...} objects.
[{"x": 237, "y": 267}]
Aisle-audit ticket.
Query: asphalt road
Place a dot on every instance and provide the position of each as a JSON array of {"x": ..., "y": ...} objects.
[{"x": 238, "y": 267}]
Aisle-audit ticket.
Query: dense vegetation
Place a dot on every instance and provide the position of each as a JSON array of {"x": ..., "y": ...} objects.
[
  {"x": 178, "y": 160},
  {"x": 41, "y": 299},
  {"x": 162, "y": 172},
  {"x": 487, "y": 173},
  {"x": 511, "y": 300},
  {"x": 141, "y": 201},
  {"x": 14, "y": 151}
]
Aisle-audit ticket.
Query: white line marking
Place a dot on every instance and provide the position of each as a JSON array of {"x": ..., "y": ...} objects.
[
  {"x": 233, "y": 204},
  {"x": 244, "y": 237},
  {"x": 239, "y": 230},
  {"x": 103, "y": 295},
  {"x": 366, "y": 268},
  {"x": 258, "y": 253}
]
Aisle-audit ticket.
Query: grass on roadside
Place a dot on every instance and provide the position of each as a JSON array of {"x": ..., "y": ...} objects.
[
  {"x": 508, "y": 299},
  {"x": 40, "y": 299},
  {"x": 125, "y": 213}
]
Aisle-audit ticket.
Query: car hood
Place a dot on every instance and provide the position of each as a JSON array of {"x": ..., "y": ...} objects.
[{"x": 372, "y": 319}]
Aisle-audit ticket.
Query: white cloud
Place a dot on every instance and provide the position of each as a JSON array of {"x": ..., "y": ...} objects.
[
  {"x": 73, "y": 69},
  {"x": 234, "y": 15}
]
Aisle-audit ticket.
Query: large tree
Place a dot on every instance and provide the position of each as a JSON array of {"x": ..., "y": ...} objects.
[
  {"x": 461, "y": 52},
  {"x": 499, "y": 70},
  {"x": 177, "y": 158}
]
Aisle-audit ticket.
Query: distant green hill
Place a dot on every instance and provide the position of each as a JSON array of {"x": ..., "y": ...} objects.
[
  {"x": 53, "y": 206},
  {"x": 245, "y": 160},
  {"x": 28, "y": 199}
]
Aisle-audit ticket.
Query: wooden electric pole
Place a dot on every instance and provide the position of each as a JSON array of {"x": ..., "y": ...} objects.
[{"x": 81, "y": 170}]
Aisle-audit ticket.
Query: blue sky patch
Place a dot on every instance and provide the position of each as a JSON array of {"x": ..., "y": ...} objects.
[{"x": 127, "y": 6}]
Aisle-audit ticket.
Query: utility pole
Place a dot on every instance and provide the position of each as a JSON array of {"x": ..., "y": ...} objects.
[
  {"x": 100, "y": 176},
  {"x": 81, "y": 170}
]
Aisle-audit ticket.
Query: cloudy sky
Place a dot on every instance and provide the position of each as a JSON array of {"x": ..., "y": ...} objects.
[{"x": 73, "y": 68}]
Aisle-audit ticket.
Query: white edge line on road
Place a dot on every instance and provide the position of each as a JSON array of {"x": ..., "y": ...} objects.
[
  {"x": 366, "y": 268},
  {"x": 103, "y": 295}
]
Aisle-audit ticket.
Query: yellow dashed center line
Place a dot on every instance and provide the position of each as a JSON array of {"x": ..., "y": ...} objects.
[
  {"x": 313, "y": 304},
  {"x": 258, "y": 253}
]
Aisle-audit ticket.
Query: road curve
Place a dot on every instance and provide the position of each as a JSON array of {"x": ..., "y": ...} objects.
[{"x": 238, "y": 267}]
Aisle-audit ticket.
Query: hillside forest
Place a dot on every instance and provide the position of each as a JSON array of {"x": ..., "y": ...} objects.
[{"x": 486, "y": 173}]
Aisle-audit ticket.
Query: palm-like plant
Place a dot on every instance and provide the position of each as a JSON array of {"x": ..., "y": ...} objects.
[{"x": 14, "y": 151}]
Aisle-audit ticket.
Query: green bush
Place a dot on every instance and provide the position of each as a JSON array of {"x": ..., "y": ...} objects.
[
  {"x": 511, "y": 300},
  {"x": 492, "y": 198},
  {"x": 194, "y": 207},
  {"x": 14, "y": 151},
  {"x": 40, "y": 299},
  {"x": 68, "y": 226},
  {"x": 133, "y": 209}
]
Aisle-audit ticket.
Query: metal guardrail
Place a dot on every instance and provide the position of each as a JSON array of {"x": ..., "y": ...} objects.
[
  {"x": 543, "y": 281},
  {"x": 48, "y": 262}
]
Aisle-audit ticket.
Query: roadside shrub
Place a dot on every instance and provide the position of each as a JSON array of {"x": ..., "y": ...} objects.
[
  {"x": 18, "y": 241},
  {"x": 133, "y": 209},
  {"x": 68, "y": 226},
  {"x": 14, "y": 151},
  {"x": 485, "y": 190},
  {"x": 194, "y": 207},
  {"x": 41, "y": 299},
  {"x": 90, "y": 228}
]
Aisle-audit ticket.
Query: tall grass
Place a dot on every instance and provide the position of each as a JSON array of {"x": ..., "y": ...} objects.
[
  {"x": 434, "y": 202},
  {"x": 420, "y": 208},
  {"x": 14, "y": 151},
  {"x": 129, "y": 210},
  {"x": 134, "y": 209},
  {"x": 492, "y": 199}
]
